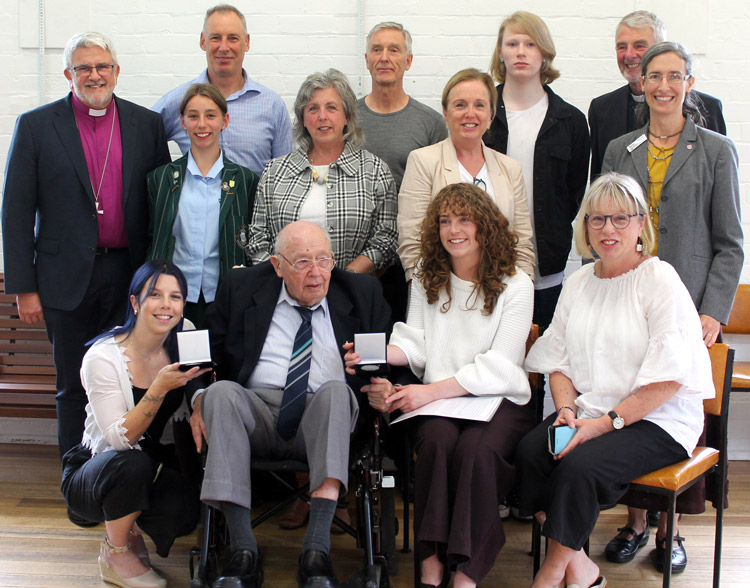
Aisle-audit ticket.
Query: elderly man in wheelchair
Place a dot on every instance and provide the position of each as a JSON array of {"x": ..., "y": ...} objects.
[{"x": 277, "y": 332}]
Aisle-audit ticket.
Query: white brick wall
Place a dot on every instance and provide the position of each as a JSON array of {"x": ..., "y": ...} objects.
[
  {"x": 157, "y": 44},
  {"x": 158, "y": 48}
]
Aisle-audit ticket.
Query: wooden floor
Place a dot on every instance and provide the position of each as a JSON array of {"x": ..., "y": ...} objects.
[{"x": 39, "y": 548}]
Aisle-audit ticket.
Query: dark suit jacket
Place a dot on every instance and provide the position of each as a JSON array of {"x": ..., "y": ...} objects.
[
  {"x": 608, "y": 119},
  {"x": 164, "y": 189},
  {"x": 240, "y": 317},
  {"x": 47, "y": 182}
]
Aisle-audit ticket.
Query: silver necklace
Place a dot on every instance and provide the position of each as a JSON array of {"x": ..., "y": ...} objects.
[{"x": 106, "y": 160}]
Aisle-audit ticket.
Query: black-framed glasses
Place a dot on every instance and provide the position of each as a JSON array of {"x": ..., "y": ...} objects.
[
  {"x": 620, "y": 220},
  {"x": 103, "y": 69},
  {"x": 325, "y": 264},
  {"x": 673, "y": 78}
]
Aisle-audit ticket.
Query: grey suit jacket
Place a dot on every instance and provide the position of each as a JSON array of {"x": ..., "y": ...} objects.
[{"x": 700, "y": 232}]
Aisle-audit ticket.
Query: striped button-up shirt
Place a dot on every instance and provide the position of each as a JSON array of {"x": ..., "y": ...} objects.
[{"x": 259, "y": 127}]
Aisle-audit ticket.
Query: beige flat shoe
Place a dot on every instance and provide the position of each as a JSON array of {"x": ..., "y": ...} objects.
[{"x": 148, "y": 579}]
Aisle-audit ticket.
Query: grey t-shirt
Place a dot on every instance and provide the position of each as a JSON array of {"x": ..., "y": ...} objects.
[{"x": 394, "y": 135}]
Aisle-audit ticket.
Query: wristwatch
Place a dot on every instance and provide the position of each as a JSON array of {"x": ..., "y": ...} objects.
[{"x": 617, "y": 421}]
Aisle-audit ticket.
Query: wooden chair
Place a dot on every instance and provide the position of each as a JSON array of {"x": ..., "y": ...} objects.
[
  {"x": 673, "y": 480},
  {"x": 739, "y": 324}
]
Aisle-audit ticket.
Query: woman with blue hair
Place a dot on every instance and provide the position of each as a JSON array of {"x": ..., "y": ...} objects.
[{"x": 120, "y": 473}]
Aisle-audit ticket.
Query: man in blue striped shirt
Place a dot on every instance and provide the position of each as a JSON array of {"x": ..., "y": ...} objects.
[{"x": 259, "y": 126}]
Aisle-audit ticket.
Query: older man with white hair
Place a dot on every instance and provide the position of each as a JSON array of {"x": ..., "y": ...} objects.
[
  {"x": 75, "y": 213},
  {"x": 277, "y": 333}
]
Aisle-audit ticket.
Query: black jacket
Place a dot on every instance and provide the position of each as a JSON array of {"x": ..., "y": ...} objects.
[{"x": 561, "y": 163}]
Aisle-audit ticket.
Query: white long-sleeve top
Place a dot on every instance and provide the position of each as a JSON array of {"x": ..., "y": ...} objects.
[
  {"x": 614, "y": 336},
  {"x": 484, "y": 353}
]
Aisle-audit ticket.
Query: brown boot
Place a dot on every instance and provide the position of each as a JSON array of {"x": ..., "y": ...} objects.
[{"x": 296, "y": 515}]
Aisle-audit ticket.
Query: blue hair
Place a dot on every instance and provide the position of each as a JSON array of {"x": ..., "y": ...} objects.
[{"x": 141, "y": 286}]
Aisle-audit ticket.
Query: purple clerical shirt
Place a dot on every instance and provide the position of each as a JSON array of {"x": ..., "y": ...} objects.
[{"x": 95, "y": 132}]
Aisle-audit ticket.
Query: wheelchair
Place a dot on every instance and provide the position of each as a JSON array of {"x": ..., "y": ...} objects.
[{"x": 376, "y": 523}]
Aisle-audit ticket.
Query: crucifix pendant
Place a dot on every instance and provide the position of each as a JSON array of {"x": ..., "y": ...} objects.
[{"x": 99, "y": 210}]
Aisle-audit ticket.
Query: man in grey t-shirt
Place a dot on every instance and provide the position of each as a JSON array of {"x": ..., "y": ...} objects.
[{"x": 394, "y": 123}]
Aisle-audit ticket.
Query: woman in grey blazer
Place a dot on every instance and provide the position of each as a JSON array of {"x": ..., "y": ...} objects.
[{"x": 690, "y": 178}]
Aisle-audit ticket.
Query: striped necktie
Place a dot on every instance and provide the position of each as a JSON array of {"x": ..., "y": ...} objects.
[{"x": 293, "y": 401}]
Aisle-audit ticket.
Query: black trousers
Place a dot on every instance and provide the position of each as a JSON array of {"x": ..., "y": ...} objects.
[
  {"x": 114, "y": 484},
  {"x": 597, "y": 473},
  {"x": 102, "y": 308}
]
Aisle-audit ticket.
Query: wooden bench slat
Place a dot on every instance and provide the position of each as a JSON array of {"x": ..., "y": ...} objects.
[{"x": 27, "y": 372}]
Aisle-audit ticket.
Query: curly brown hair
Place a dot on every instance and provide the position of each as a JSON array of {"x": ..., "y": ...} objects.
[{"x": 497, "y": 242}]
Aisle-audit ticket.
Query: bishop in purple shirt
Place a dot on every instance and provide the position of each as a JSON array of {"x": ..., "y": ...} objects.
[{"x": 75, "y": 214}]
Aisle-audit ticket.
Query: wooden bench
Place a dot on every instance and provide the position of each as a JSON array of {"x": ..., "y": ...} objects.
[{"x": 27, "y": 372}]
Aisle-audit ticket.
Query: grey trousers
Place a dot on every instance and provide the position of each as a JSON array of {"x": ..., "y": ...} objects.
[{"x": 241, "y": 423}]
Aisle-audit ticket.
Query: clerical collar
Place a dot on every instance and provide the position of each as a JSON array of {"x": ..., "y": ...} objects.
[
  {"x": 81, "y": 108},
  {"x": 639, "y": 97}
]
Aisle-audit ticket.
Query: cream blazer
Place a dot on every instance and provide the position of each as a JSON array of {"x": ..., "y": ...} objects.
[{"x": 430, "y": 169}]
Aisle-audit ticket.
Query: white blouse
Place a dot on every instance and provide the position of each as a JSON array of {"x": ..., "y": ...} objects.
[
  {"x": 614, "y": 336},
  {"x": 484, "y": 353}
]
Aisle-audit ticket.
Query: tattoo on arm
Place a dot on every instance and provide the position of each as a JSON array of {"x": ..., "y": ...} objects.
[
  {"x": 150, "y": 414},
  {"x": 148, "y": 398}
]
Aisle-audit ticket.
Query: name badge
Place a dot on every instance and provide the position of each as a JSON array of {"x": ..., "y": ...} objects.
[{"x": 635, "y": 143}]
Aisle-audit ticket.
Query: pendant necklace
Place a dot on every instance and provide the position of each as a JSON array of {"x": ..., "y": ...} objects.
[{"x": 106, "y": 160}]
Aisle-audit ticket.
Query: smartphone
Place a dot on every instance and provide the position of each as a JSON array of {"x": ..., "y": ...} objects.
[{"x": 558, "y": 438}]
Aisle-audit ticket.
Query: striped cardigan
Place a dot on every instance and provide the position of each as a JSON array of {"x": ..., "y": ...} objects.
[{"x": 236, "y": 210}]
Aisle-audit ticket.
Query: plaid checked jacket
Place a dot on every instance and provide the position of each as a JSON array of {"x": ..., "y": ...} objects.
[{"x": 361, "y": 206}]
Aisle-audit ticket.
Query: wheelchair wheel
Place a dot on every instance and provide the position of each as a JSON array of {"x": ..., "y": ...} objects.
[{"x": 388, "y": 528}]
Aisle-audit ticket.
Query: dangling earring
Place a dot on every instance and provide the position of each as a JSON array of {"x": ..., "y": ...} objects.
[
  {"x": 544, "y": 63},
  {"x": 135, "y": 311},
  {"x": 639, "y": 246},
  {"x": 502, "y": 60}
]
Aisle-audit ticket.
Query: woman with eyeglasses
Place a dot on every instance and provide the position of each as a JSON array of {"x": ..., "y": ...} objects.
[
  {"x": 465, "y": 338},
  {"x": 329, "y": 180},
  {"x": 628, "y": 370},
  {"x": 690, "y": 178},
  {"x": 469, "y": 103},
  {"x": 551, "y": 140}
]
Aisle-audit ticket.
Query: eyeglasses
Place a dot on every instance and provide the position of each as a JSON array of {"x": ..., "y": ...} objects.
[
  {"x": 673, "y": 79},
  {"x": 621, "y": 220},
  {"x": 103, "y": 69},
  {"x": 480, "y": 183},
  {"x": 325, "y": 264}
]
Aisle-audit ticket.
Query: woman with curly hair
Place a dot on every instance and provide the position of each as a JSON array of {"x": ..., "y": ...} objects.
[{"x": 469, "y": 317}]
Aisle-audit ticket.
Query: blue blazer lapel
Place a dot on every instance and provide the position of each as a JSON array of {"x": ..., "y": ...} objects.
[
  {"x": 257, "y": 320},
  {"x": 65, "y": 126},
  {"x": 345, "y": 324}
]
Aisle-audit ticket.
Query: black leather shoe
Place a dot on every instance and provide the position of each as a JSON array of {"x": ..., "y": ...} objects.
[
  {"x": 679, "y": 557},
  {"x": 316, "y": 570},
  {"x": 621, "y": 549},
  {"x": 244, "y": 570}
]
